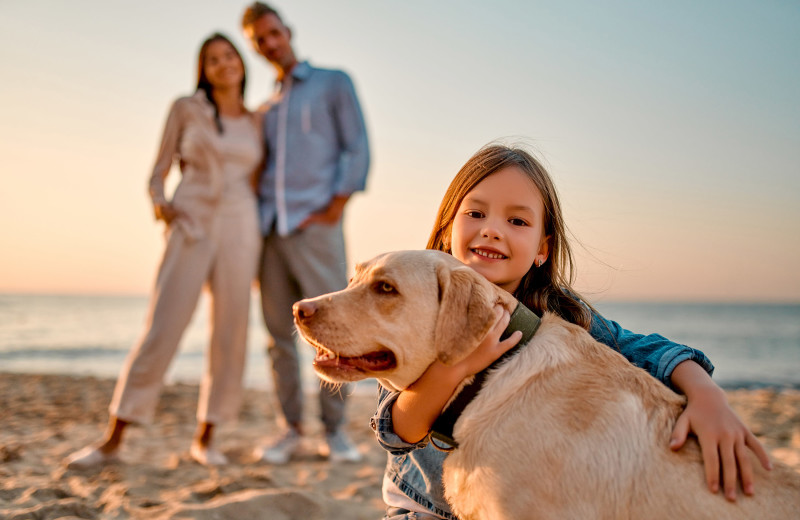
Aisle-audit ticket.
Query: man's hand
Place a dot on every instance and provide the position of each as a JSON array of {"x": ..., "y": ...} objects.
[{"x": 329, "y": 215}]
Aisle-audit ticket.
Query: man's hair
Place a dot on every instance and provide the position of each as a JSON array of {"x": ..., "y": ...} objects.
[{"x": 255, "y": 11}]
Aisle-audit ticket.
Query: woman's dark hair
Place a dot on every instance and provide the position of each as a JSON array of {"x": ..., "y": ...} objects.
[{"x": 202, "y": 81}]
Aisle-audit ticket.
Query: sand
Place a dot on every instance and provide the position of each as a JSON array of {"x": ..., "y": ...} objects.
[{"x": 43, "y": 418}]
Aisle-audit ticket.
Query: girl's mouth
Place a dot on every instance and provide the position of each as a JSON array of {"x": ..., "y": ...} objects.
[{"x": 492, "y": 255}]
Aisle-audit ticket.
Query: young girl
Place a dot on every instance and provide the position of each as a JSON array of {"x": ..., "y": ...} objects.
[{"x": 501, "y": 216}]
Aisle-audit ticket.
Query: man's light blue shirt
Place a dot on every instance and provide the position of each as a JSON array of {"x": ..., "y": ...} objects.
[{"x": 316, "y": 147}]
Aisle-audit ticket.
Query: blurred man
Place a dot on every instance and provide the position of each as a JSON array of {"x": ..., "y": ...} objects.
[{"x": 317, "y": 157}]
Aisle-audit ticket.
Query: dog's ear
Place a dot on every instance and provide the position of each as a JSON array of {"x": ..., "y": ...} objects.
[{"x": 466, "y": 312}]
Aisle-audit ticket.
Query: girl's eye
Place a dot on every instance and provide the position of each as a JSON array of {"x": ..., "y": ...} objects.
[
  {"x": 474, "y": 213},
  {"x": 517, "y": 222},
  {"x": 385, "y": 288}
]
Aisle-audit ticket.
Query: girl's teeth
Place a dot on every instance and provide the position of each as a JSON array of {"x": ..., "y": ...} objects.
[{"x": 493, "y": 256}]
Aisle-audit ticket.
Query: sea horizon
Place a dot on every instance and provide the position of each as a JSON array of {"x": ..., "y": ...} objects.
[
  {"x": 593, "y": 297},
  {"x": 752, "y": 344}
]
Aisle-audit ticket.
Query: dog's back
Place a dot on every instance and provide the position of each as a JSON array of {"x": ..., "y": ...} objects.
[
  {"x": 566, "y": 428},
  {"x": 569, "y": 429}
]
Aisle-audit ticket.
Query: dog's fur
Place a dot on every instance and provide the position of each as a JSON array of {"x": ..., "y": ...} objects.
[{"x": 566, "y": 429}]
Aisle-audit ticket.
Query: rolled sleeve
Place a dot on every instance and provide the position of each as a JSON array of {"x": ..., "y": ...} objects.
[
  {"x": 677, "y": 355},
  {"x": 381, "y": 423}
]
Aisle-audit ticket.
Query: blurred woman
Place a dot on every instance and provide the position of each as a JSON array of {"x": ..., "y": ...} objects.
[{"x": 212, "y": 241}]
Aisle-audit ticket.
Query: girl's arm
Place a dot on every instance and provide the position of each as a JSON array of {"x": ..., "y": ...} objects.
[
  {"x": 722, "y": 436},
  {"x": 652, "y": 352},
  {"x": 724, "y": 439},
  {"x": 418, "y": 406}
]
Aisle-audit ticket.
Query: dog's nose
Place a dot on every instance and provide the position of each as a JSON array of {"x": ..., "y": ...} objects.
[{"x": 304, "y": 309}]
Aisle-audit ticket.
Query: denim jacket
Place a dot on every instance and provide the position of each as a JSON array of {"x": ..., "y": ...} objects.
[{"x": 417, "y": 468}]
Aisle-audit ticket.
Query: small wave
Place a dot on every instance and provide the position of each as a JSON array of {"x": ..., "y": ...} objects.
[
  {"x": 74, "y": 353},
  {"x": 758, "y": 385},
  {"x": 65, "y": 353}
]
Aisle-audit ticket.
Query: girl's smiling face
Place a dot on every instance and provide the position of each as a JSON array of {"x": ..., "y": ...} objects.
[{"x": 498, "y": 229}]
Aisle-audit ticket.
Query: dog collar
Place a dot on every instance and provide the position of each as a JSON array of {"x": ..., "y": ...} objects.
[{"x": 522, "y": 319}]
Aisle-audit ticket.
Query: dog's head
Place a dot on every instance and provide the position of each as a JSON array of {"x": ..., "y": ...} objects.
[{"x": 400, "y": 313}]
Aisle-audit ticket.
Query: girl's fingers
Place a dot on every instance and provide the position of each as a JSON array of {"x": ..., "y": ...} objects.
[
  {"x": 679, "y": 433},
  {"x": 745, "y": 467},
  {"x": 502, "y": 321},
  {"x": 510, "y": 341},
  {"x": 727, "y": 453},
  {"x": 711, "y": 465},
  {"x": 753, "y": 443}
]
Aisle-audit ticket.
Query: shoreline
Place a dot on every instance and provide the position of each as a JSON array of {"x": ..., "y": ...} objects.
[
  {"x": 47, "y": 417},
  {"x": 259, "y": 379}
]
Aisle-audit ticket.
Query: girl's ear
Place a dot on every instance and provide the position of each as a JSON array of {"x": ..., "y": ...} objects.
[
  {"x": 544, "y": 250},
  {"x": 466, "y": 312}
]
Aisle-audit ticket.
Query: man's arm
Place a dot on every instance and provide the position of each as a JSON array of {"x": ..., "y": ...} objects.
[{"x": 353, "y": 142}]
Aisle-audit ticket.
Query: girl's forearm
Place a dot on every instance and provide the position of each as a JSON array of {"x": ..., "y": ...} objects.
[
  {"x": 418, "y": 406},
  {"x": 690, "y": 378}
]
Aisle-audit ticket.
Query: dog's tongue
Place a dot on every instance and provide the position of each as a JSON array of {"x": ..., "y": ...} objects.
[{"x": 371, "y": 362}]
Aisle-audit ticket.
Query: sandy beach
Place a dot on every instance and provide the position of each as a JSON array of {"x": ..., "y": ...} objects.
[{"x": 46, "y": 417}]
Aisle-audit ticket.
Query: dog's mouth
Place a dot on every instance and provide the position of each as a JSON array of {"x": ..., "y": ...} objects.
[{"x": 377, "y": 361}]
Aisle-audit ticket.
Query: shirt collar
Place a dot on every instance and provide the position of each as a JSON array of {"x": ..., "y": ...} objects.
[{"x": 301, "y": 71}]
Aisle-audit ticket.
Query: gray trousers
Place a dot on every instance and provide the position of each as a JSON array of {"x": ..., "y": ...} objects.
[{"x": 305, "y": 264}]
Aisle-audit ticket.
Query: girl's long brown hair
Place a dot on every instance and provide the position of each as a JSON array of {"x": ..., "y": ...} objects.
[{"x": 545, "y": 288}]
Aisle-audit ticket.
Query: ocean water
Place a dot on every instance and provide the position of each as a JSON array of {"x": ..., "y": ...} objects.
[
  {"x": 751, "y": 345},
  {"x": 91, "y": 335}
]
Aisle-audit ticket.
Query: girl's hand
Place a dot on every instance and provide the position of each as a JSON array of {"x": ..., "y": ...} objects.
[
  {"x": 723, "y": 437},
  {"x": 490, "y": 348},
  {"x": 418, "y": 406}
]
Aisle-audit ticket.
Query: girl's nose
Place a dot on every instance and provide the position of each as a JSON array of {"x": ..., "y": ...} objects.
[{"x": 490, "y": 231}]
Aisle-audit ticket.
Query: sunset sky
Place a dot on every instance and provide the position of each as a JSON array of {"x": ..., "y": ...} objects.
[{"x": 671, "y": 129}]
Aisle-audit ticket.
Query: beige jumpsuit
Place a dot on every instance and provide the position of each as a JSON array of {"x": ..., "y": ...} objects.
[{"x": 215, "y": 241}]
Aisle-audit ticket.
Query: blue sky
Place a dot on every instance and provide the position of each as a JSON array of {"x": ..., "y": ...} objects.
[{"x": 672, "y": 130}]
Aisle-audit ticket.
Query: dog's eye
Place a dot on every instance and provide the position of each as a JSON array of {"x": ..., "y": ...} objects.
[{"x": 385, "y": 288}]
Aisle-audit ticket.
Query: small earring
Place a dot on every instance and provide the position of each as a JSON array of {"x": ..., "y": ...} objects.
[{"x": 540, "y": 262}]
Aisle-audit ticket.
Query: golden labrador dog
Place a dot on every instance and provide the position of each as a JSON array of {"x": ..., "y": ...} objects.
[{"x": 567, "y": 429}]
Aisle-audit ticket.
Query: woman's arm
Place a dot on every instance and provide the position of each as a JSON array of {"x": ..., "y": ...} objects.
[{"x": 167, "y": 151}]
